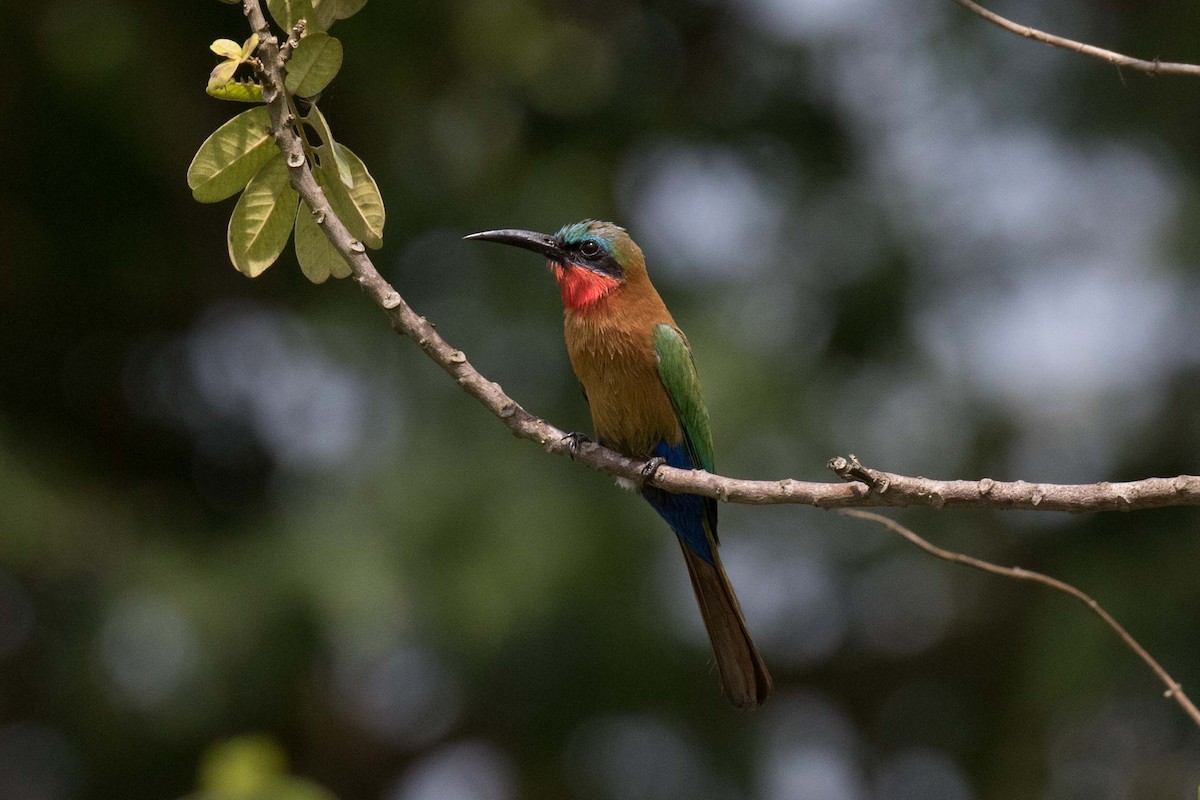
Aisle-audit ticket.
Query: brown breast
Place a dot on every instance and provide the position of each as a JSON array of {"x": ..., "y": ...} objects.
[{"x": 612, "y": 352}]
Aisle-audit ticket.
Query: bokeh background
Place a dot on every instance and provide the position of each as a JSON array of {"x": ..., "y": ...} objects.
[{"x": 236, "y": 507}]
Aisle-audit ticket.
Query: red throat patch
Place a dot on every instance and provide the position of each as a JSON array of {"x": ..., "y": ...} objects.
[{"x": 582, "y": 288}]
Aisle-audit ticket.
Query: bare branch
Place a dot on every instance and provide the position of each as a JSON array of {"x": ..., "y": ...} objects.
[
  {"x": 864, "y": 487},
  {"x": 1174, "y": 690},
  {"x": 890, "y": 489},
  {"x": 1149, "y": 67}
]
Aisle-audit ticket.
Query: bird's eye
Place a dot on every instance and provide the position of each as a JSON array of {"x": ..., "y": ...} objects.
[{"x": 590, "y": 248}]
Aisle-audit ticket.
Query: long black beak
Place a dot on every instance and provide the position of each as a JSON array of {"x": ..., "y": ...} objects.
[{"x": 528, "y": 240}]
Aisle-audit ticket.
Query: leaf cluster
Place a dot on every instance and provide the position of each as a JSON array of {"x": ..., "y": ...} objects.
[{"x": 242, "y": 155}]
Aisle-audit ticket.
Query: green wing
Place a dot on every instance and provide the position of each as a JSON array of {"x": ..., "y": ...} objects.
[{"x": 678, "y": 373}]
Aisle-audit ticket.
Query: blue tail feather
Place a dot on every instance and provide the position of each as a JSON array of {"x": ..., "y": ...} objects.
[{"x": 683, "y": 512}]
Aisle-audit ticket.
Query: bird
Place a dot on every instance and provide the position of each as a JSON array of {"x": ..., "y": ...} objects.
[{"x": 644, "y": 395}]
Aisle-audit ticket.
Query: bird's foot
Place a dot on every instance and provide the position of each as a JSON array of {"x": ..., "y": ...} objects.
[
  {"x": 575, "y": 440},
  {"x": 651, "y": 468}
]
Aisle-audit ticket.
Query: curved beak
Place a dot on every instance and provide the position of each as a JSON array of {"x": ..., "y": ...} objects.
[{"x": 540, "y": 243}]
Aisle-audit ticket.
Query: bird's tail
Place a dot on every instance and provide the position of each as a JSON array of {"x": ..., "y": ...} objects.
[{"x": 744, "y": 676}]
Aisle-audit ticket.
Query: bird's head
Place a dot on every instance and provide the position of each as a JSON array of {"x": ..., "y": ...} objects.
[{"x": 589, "y": 259}]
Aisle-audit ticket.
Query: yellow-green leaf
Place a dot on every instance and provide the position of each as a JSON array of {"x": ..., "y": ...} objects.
[
  {"x": 317, "y": 256},
  {"x": 313, "y": 65},
  {"x": 240, "y": 53},
  {"x": 238, "y": 91},
  {"x": 249, "y": 46},
  {"x": 288, "y": 12},
  {"x": 359, "y": 207},
  {"x": 221, "y": 75},
  {"x": 243, "y": 765},
  {"x": 229, "y": 158},
  {"x": 326, "y": 150},
  {"x": 226, "y": 48},
  {"x": 262, "y": 219}
]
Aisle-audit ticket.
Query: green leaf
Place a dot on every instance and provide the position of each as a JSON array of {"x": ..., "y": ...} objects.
[
  {"x": 327, "y": 150},
  {"x": 238, "y": 91},
  {"x": 348, "y": 8},
  {"x": 317, "y": 256},
  {"x": 360, "y": 207},
  {"x": 288, "y": 12},
  {"x": 314, "y": 64},
  {"x": 262, "y": 219},
  {"x": 326, "y": 11},
  {"x": 229, "y": 158},
  {"x": 329, "y": 11}
]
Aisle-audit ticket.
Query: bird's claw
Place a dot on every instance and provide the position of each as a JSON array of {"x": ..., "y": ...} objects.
[
  {"x": 575, "y": 441},
  {"x": 651, "y": 468}
]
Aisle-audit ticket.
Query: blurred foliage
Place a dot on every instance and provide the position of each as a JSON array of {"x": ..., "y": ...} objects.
[
  {"x": 251, "y": 767},
  {"x": 887, "y": 229}
]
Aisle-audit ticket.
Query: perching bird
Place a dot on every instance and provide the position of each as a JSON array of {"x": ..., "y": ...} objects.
[{"x": 644, "y": 395}]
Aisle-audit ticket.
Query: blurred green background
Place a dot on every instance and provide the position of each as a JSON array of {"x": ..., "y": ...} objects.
[{"x": 232, "y": 506}]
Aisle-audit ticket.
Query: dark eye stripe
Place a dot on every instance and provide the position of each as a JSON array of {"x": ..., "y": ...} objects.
[{"x": 593, "y": 255}]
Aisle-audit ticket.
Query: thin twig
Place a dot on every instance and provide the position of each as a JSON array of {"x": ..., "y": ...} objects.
[
  {"x": 1149, "y": 67},
  {"x": 1174, "y": 690},
  {"x": 293, "y": 41}
]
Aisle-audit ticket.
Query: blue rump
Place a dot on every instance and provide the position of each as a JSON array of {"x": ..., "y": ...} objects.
[{"x": 683, "y": 512}]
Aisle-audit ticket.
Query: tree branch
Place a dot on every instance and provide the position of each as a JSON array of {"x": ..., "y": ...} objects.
[
  {"x": 1149, "y": 67},
  {"x": 1174, "y": 690},
  {"x": 864, "y": 487}
]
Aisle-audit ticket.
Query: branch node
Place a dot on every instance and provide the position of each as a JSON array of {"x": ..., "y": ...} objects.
[
  {"x": 508, "y": 410},
  {"x": 295, "y": 159},
  {"x": 457, "y": 357},
  {"x": 357, "y": 246},
  {"x": 390, "y": 300},
  {"x": 285, "y": 52},
  {"x": 851, "y": 469},
  {"x": 1036, "y": 498},
  {"x": 986, "y": 485}
]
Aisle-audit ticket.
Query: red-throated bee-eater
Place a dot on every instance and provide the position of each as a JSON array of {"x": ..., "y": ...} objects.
[{"x": 644, "y": 394}]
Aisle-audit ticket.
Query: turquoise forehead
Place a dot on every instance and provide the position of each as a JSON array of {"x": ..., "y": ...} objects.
[{"x": 604, "y": 232}]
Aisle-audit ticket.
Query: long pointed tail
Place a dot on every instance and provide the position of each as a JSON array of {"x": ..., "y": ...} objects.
[{"x": 744, "y": 676}]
